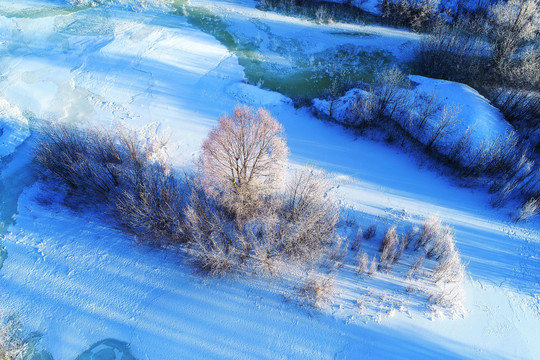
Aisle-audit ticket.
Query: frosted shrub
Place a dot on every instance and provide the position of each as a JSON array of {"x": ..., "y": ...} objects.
[
  {"x": 244, "y": 159},
  {"x": 416, "y": 266},
  {"x": 118, "y": 168},
  {"x": 442, "y": 243},
  {"x": 529, "y": 209},
  {"x": 430, "y": 230},
  {"x": 357, "y": 242},
  {"x": 373, "y": 266},
  {"x": 97, "y": 161},
  {"x": 370, "y": 232},
  {"x": 389, "y": 91},
  {"x": 388, "y": 246},
  {"x": 444, "y": 127},
  {"x": 415, "y": 14},
  {"x": 363, "y": 263},
  {"x": 449, "y": 269},
  {"x": 213, "y": 242},
  {"x": 323, "y": 15},
  {"x": 13, "y": 345},
  {"x": 309, "y": 216},
  {"x": 455, "y": 52},
  {"x": 316, "y": 290},
  {"x": 409, "y": 237},
  {"x": 450, "y": 298},
  {"x": 150, "y": 206},
  {"x": 363, "y": 111}
]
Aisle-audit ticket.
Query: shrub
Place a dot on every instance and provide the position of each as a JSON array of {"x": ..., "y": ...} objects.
[
  {"x": 442, "y": 243},
  {"x": 363, "y": 111},
  {"x": 370, "y": 232},
  {"x": 150, "y": 206},
  {"x": 211, "y": 239},
  {"x": 450, "y": 298},
  {"x": 450, "y": 269},
  {"x": 373, "y": 266},
  {"x": 419, "y": 15},
  {"x": 388, "y": 246},
  {"x": 357, "y": 242},
  {"x": 416, "y": 266},
  {"x": 13, "y": 345},
  {"x": 389, "y": 91},
  {"x": 244, "y": 159},
  {"x": 117, "y": 167},
  {"x": 363, "y": 263},
  {"x": 309, "y": 216},
  {"x": 454, "y": 52},
  {"x": 316, "y": 290},
  {"x": 430, "y": 230},
  {"x": 529, "y": 209}
]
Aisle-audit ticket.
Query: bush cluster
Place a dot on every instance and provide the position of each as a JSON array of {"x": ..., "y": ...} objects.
[
  {"x": 236, "y": 212},
  {"x": 498, "y": 54},
  {"x": 506, "y": 162},
  {"x": 418, "y": 15}
]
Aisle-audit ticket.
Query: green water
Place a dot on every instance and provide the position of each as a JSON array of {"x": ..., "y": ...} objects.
[{"x": 299, "y": 76}]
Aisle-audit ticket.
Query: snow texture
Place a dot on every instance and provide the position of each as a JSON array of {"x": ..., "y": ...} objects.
[{"x": 78, "y": 281}]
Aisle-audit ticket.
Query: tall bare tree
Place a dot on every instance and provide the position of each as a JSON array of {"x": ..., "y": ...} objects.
[{"x": 244, "y": 158}]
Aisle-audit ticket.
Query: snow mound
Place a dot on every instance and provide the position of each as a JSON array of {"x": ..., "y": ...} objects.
[
  {"x": 485, "y": 121},
  {"x": 339, "y": 108}
]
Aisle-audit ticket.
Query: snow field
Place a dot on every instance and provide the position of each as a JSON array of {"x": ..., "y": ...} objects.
[{"x": 77, "y": 280}]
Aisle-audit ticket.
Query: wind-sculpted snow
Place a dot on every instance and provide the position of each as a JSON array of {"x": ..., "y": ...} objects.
[{"x": 78, "y": 281}]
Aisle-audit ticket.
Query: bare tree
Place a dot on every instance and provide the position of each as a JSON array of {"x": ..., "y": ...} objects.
[
  {"x": 513, "y": 23},
  {"x": 444, "y": 126},
  {"x": 388, "y": 91},
  {"x": 244, "y": 158}
]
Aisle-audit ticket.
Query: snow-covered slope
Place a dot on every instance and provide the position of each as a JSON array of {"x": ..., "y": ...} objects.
[{"x": 77, "y": 280}]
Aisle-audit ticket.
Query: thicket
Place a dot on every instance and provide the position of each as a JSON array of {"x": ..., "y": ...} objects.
[
  {"x": 416, "y": 14},
  {"x": 237, "y": 212},
  {"x": 426, "y": 257},
  {"x": 500, "y": 56},
  {"x": 422, "y": 121},
  {"x": 318, "y": 10}
]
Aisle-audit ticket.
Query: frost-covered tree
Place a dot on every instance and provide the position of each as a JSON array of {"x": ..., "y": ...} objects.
[
  {"x": 513, "y": 23},
  {"x": 244, "y": 158}
]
